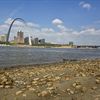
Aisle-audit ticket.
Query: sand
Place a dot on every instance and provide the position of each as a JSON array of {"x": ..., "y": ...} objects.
[{"x": 68, "y": 80}]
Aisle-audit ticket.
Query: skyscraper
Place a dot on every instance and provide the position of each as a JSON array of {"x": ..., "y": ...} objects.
[
  {"x": 26, "y": 40},
  {"x": 36, "y": 40},
  {"x": 20, "y": 37}
]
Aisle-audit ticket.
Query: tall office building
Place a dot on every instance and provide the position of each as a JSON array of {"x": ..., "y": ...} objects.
[
  {"x": 26, "y": 40},
  {"x": 36, "y": 40},
  {"x": 20, "y": 37}
]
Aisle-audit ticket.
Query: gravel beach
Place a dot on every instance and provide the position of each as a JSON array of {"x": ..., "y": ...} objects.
[{"x": 68, "y": 80}]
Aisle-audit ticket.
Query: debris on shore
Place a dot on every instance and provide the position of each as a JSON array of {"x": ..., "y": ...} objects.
[{"x": 69, "y": 80}]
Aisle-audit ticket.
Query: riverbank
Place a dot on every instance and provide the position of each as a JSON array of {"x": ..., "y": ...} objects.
[
  {"x": 69, "y": 80},
  {"x": 37, "y": 46}
]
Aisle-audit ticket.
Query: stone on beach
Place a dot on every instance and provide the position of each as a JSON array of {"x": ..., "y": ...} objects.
[
  {"x": 43, "y": 93},
  {"x": 19, "y": 92}
]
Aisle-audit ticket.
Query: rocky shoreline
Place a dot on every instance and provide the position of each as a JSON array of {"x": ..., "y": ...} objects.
[{"x": 68, "y": 80}]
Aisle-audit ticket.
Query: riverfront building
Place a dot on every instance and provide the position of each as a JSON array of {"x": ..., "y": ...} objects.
[
  {"x": 42, "y": 41},
  {"x": 3, "y": 37},
  {"x": 36, "y": 40},
  {"x": 20, "y": 37},
  {"x": 26, "y": 40}
]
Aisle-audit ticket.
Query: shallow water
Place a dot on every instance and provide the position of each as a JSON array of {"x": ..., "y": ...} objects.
[{"x": 10, "y": 56}]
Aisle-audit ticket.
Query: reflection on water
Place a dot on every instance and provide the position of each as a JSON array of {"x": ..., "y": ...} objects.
[{"x": 20, "y": 56}]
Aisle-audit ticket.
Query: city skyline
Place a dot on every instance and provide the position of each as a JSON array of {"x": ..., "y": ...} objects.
[{"x": 58, "y": 21}]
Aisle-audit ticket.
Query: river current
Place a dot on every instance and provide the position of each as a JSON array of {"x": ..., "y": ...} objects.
[{"x": 11, "y": 56}]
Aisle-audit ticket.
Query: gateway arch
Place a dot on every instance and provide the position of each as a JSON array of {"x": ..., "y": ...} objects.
[{"x": 8, "y": 34}]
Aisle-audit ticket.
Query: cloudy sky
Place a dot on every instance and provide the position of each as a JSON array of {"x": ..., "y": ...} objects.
[{"x": 58, "y": 21}]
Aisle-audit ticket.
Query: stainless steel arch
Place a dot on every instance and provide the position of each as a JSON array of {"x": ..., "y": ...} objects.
[{"x": 8, "y": 34}]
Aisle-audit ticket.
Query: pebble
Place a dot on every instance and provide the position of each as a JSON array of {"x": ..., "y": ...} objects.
[
  {"x": 97, "y": 81},
  {"x": 96, "y": 99},
  {"x": 24, "y": 95},
  {"x": 57, "y": 78},
  {"x": 43, "y": 93},
  {"x": 28, "y": 86},
  {"x": 31, "y": 89},
  {"x": 51, "y": 88},
  {"x": 78, "y": 87},
  {"x": 1, "y": 86},
  {"x": 49, "y": 84},
  {"x": 74, "y": 84},
  {"x": 93, "y": 88},
  {"x": 7, "y": 86},
  {"x": 83, "y": 89},
  {"x": 67, "y": 78},
  {"x": 36, "y": 79},
  {"x": 18, "y": 92},
  {"x": 70, "y": 91}
]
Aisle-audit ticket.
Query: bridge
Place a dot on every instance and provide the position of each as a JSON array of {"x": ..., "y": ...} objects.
[{"x": 88, "y": 46}]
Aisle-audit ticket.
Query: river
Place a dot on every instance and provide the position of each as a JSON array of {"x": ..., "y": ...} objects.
[{"x": 11, "y": 56}]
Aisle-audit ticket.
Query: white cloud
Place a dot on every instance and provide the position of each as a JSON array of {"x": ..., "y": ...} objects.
[
  {"x": 47, "y": 30},
  {"x": 85, "y": 5},
  {"x": 57, "y": 21},
  {"x": 90, "y": 31},
  {"x": 32, "y": 25},
  {"x": 18, "y": 23},
  {"x": 60, "y": 25},
  {"x": 3, "y": 26}
]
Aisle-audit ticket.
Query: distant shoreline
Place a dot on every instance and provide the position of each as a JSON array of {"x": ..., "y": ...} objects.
[
  {"x": 28, "y": 46},
  {"x": 36, "y": 46}
]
